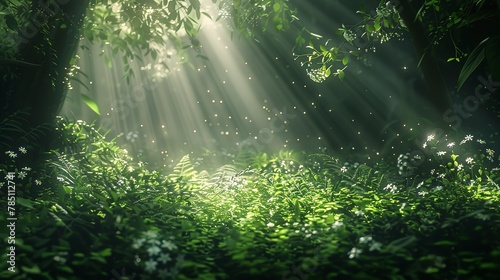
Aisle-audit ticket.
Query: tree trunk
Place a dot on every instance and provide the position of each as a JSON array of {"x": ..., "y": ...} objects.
[{"x": 41, "y": 66}]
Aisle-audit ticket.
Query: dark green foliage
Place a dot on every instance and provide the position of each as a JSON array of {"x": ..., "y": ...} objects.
[{"x": 97, "y": 213}]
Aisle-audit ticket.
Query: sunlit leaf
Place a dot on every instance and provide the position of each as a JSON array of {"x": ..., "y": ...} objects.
[
  {"x": 91, "y": 103},
  {"x": 276, "y": 7},
  {"x": 341, "y": 74},
  {"x": 345, "y": 60}
]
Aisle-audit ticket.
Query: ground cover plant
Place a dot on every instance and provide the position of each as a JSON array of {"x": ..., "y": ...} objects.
[{"x": 90, "y": 210}]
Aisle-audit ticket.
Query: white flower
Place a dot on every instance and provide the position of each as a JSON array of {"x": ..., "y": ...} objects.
[
  {"x": 138, "y": 243},
  {"x": 10, "y": 176},
  {"x": 365, "y": 239},
  {"x": 359, "y": 213},
  {"x": 468, "y": 138},
  {"x": 154, "y": 250},
  {"x": 462, "y": 142},
  {"x": 424, "y": 145},
  {"x": 169, "y": 245},
  {"x": 337, "y": 225},
  {"x": 23, "y": 150},
  {"x": 150, "y": 234},
  {"x": 432, "y": 171},
  {"x": 490, "y": 152},
  {"x": 11, "y": 154},
  {"x": 21, "y": 175},
  {"x": 441, "y": 153},
  {"x": 481, "y": 141},
  {"x": 450, "y": 145},
  {"x": 459, "y": 167},
  {"x": 376, "y": 246},
  {"x": 430, "y": 137},
  {"x": 26, "y": 168},
  {"x": 392, "y": 188},
  {"x": 150, "y": 266},
  {"x": 469, "y": 160},
  {"x": 270, "y": 224},
  {"x": 354, "y": 253},
  {"x": 423, "y": 193},
  {"x": 420, "y": 184},
  {"x": 343, "y": 169}
]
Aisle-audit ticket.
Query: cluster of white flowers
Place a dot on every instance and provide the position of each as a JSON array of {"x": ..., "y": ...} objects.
[
  {"x": 21, "y": 174},
  {"x": 354, "y": 253},
  {"x": 337, "y": 225},
  {"x": 391, "y": 187},
  {"x": 159, "y": 252},
  {"x": 466, "y": 139},
  {"x": 368, "y": 240}
]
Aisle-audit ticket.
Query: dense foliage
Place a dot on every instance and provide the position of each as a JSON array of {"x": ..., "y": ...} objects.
[{"x": 92, "y": 211}]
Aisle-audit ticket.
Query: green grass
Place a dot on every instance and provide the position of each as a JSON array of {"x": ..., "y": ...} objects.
[{"x": 90, "y": 210}]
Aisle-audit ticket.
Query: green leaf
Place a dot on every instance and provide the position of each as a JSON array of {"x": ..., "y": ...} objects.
[
  {"x": 24, "y": 202},
  {"x": 107, "y": 61},
  {"x": 32, "y": 270},
  {"x": 376, "y": 24},
  {"x": 370, "y": 28},
  {"x": 445, "y": 243},
  {"x": 345, "y": 60},
  {"x": 276, "y": 7},
  {"x": 11, "y": 22},
  {"x": 341, "y": 74},
  {"x": 473, "y": 61},
  {"x": 315, "y": 35},
  {"x": 91, "y": 103}
]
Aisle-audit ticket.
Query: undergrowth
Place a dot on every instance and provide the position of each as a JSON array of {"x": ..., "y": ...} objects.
[{"x": 90, "y": 210}]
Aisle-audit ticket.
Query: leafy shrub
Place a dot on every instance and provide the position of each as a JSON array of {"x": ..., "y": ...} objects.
[{"x": 97, "y": 213}]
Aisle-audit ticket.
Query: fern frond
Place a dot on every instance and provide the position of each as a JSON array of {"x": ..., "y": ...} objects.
[{"x": 183, "y": 169}]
